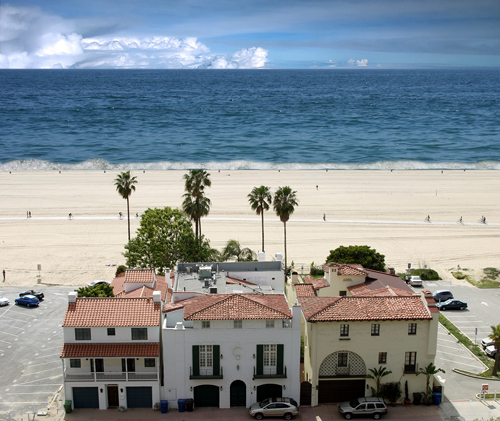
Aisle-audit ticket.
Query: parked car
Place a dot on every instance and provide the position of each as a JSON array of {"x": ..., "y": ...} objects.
[
  {"x": 486, "y": 342},
  {"x": 274, "y": 407},
  {"x": 94, "y": 283},
  {"x": 452, "y": 304},
  {"x": 375, "y": 407},
  {"x": 4, "y": 301},
  {"x": 491, "y": 351},
  {"x": 27, "y": 300},
  {"x": 415, "y": 281},
  {"x": 38, "y": 295},
  {"x": 442, "y": 295}
]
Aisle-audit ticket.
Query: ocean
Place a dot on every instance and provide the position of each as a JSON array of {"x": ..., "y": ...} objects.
[{"x": 249, "y": 119}]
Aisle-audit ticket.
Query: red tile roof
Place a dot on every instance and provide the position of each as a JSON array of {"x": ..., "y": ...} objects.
[
  {"x": 305, "y": 290},
  {"x": 316, "y": 282},
  {"x": 133, "y": 276},
  {"x": 326, "y": 309},
  {"x": 235, "y": 281},
  {"x": 352, "y": 269},
  {"x": 112, "y": 312},
  {"x": 233, "y": 307},
  {"x": 151, "y": 349},
  {"x": 363, "y": 290},
  {"x": 118, "y": 285}
]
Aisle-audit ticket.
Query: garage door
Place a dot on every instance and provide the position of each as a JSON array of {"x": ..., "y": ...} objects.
[
  {"x": 269, "y": 391},
  {"x": 340, "y": 390},
  {"x": 206, "y": 395},
  {"x": 85, "y": 397},
  {"x": 139, "y": 397}
]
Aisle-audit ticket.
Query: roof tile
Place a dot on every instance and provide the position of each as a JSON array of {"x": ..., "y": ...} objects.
[{"x": 150, "y": 349}]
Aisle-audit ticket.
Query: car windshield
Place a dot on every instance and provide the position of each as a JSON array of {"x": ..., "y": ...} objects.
[
  {"x": 354, "y": 403},
  {"x": 264, "y": 403}
]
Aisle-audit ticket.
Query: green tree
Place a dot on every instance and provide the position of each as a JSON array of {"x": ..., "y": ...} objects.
[
  {"x": 125, "y": 185},
  {"x": 495, "y": 336},
  {"x": 428, "y": 372},
  {"x": 99, "y": 290},
  {"x": 233, "y": 250},
  {"x": 284, "y": 202},
  {"x": 195, "y": 203},
  {"x": 260, "y": 199},
  {"x": 363, "y": 255},
  {"x": 377, "y": 374},
  {"x": 164, "y": 238}
]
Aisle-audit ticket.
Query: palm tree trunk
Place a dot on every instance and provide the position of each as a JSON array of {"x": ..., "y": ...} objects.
[
  {"x": 284, "y": 229},
  {"x": 496, "y": 364},
  {"x": 128, "y": 219},
  {"x": 196, "y": 227},
  {"x": 262, "y": 215}
]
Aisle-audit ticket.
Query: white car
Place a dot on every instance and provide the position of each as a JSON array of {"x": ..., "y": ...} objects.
[
  {"x": 415, "y": 281},
  {"x": 491, "y": 351},
  {"x": 93, "y": 283},
  {"x": 4, "y": 301},
  {"x": 486, "y": 342}
]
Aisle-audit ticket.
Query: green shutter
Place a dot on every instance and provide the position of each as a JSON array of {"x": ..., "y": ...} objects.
[
  {"x": 260, "y": 360},
  {"x": 279, "y": 359},
  {"x": 196, "y": 360},
  {"x": 216, "y": 360}
]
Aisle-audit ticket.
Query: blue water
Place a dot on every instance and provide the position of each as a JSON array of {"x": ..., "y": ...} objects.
[{"x": 257, "y": 119}]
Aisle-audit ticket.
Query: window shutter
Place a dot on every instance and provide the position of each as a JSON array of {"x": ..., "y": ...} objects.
[
  {"x": 279, "y": 359},
  {"x": 124, "y": 365},
  {"x": 260, "y": 360},
  {"x": 196, "y": 360},
  {"x": 216, "y": 360}
]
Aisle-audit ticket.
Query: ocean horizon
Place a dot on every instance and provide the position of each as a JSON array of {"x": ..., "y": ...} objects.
[{"x": 249, "y": 119}]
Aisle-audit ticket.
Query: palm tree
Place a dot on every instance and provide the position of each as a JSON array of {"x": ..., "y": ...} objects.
[
  {"x": 377, "y": 374},
  {"x": 233, "y": 250},
  {"x": 260, "y": 198},
  {"x": 125, "y": 185},
  {"x": 195, "y": 204},
  {"x": 284, "y": 203},
  {"x": 429, "y": 371},
  {"x": 495, "y": 336}
]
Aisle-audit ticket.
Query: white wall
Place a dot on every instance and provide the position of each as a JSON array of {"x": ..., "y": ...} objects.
[{"x": 122, "y": 334}]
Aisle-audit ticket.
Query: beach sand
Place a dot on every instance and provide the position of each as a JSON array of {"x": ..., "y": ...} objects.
[{"x": 383, "y": 209}]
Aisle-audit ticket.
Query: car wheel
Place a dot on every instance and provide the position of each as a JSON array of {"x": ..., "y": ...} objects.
[
  {"x": 27, "y": 305},
  {"x": 259, "y": 416},
  {"x": 376, "y": 416},
  {"x": 462, "y": 308},
  {"x": 288, "y": 416},
  {"x": 348, "y": 416}
]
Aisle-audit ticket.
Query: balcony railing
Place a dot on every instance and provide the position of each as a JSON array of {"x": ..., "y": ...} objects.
[
  {"x": 110, "y": 375},
  {"x": 205, "y": 375},
  {"x": 268, "y": 374}
]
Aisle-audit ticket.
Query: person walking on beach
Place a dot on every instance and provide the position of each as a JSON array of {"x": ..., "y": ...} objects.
[
  {"x": 120, "y": 215},
  {"x": 3, "y": 275},
  {"x": 29, "y": 213},
  {"x": 70, "y": 215},
  {"x": 428, "y": 219},
  {"x": 324, "y": 217}
]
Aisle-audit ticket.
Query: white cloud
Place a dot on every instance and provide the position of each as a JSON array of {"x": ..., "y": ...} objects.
[
  {"x": 359, "y": 63},
  {"x": 33, "y": 39}
]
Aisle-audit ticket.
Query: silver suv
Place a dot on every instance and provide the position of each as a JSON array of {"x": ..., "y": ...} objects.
[
  {"x": 274, "y": 407},
  {"x": 363, "y": 406}
]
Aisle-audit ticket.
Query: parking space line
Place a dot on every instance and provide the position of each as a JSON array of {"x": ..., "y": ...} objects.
[
  {"x": 5, "y": 342},
  {"x": 36, "y": 365},
  {"x": 456, "y": 362},
  {"x": 30, "y": 374},
  {"x": 11, "y": 334},
  {"x": 46, "y": 378},
  {"x": 460, "y": 356},
  {"x": 2, "y": 402}
]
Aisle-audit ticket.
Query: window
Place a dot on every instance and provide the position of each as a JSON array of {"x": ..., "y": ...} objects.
[
  {"x": 139, "y": 333},
  {"x": 410, "y": 362},
  {"x": 206, "y": 359},
  {"x": 343, "y": 293},
  {"x": 344, "y": 330},
  {"x": 82, "y": 333},
  {"x": 375, "y": 329},
  {"x": 269, "y": 324},
  {"x": 270, "y": 355},
  {"x": 238, "y": 324},
  {"x": 342, "y": 359},
  {"x": 382, "y": 357},
  {"x": 149, "y": 362},
  {"x": 75, "y": 363},
  {"x": 412, "y": 328},
  {"x": 205, "y": 324},
  {"x": 111, "y": 331}
]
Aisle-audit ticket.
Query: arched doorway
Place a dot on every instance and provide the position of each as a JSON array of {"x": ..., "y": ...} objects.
[
  {"x": 265, "y": 391},
  {"x": 238, "y": 393}
]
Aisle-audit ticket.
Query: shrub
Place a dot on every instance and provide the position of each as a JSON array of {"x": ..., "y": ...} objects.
[
  {"x": 120, "y": 269},
  {"x": 391, "y": 391},
  {"x": 426, "y": 274}
]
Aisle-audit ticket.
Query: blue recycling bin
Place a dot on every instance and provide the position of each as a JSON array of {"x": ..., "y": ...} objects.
[
  {"x": 164, "y": 407},
  {"x": 181, "y": 404},
  {"x": 437, "y": 398}
]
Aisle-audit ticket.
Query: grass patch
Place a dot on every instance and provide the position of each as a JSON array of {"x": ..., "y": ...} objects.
[
  {"x": 488, "y": 281},
  {"x": 475, "y": 349}
]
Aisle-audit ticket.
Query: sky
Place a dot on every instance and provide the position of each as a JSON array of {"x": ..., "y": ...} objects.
[{"x": 250, "y": 34}]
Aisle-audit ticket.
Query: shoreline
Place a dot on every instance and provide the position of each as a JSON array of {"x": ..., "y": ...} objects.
[{"x": 383, "y": 209}]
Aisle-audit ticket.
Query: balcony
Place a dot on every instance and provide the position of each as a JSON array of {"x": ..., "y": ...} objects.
[
  {"x": 111, "y": 376},
  {"x": 343, "y": 371},
  {"x": 268, "y": 374},
  {"x": 205, "y": 374}
]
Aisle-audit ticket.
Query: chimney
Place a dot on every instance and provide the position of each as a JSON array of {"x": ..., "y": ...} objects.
[
  {"x": 262, "y": 256},
  {"x": 72, "y": 297},
  {"x": 156, "y": 297}
]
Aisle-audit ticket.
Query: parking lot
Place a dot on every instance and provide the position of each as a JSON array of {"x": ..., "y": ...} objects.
[{"x": 30, "y": 344}]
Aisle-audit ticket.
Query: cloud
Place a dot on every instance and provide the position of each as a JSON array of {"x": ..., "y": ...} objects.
[
  {"x": 31, "y": 38},
  {"x": 359, "y": 63}
]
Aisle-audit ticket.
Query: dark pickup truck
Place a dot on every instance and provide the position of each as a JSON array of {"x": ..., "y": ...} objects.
[{"x": 38, "y": 295}]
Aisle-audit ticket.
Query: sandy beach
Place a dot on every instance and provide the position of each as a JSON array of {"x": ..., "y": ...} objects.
[{"x": 383, "y": 209}]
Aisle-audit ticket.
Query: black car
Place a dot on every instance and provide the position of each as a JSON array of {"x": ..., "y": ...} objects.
[
  {"x": 442, "y": 295},
  {"x": 452, "y": 304},
  {"x": 38, "y": 295}
]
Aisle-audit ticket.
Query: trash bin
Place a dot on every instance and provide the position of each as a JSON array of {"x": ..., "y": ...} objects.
[
  {"x": 189, "y": 405},
  {"x": 416, "y": 398},
  {"x": 164, "y": 407},
  {"x": 181, "y": 404},
  {"x": 437, "y": 398},
  {"x": 67, "y": 407}
]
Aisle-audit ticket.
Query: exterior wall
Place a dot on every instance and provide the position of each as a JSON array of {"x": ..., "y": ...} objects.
[
  {"x": 323, "y": 339},
  {"x": 338, "y": 283},
  {"x": 122, "y": 334},
  {"x": 238, "y": 348},
  {"x": 133, "y": 286},
  {"x": 275, "y": 279},
  {"x": 111, "y": 365}
]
